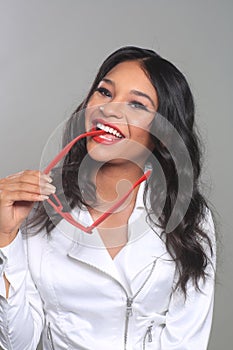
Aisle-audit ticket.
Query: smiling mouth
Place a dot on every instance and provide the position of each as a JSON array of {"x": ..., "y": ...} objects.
[{"x": 109, "y": 130}]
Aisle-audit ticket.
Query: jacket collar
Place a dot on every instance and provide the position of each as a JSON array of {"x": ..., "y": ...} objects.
[{"x": 143, "y": 247}]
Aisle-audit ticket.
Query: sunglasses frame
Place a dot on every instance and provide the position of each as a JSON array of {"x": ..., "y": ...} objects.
[{"x": 58, "y": 207}]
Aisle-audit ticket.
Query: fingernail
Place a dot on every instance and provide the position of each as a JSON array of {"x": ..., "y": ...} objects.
[
  {"x": 50, "y": 188},
  {"x": 43, "y": 197},
  {"x": 47, "y": 178}
]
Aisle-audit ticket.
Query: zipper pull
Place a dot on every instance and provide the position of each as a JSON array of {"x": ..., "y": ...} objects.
[
  {"x": 49, "y": 336},
  {"x": 129, "y": 310},
  {"x": 49, "y": 332},
  {"x": 149, "y": 329}
]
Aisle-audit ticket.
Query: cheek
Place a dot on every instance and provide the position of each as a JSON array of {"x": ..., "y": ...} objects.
[
  {"x": 140, "y": 130},
  {"x": 146, "y": 140},
  {"x": 90, "y": 109},
  {"x": 143, "y": 121},
  {"x": 143, "y": 139},
  {"x": 94, "y": 100},
  {"x": 87, "y": 120}
]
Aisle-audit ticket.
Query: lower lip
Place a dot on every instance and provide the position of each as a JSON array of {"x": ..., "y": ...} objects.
[{"x": 105, "y": 140}]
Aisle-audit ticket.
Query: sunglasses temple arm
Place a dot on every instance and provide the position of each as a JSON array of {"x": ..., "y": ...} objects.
[
  {"x": 66, "y": 149},
  {"x": 121, "y": 201},
  {"x": 66, "y": 216}
]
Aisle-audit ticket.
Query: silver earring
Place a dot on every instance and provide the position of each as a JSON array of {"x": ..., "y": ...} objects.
[{"x": 101, "y": 108}]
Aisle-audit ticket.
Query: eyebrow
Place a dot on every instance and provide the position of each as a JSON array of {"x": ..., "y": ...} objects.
[{"x": 132, "y": 92}]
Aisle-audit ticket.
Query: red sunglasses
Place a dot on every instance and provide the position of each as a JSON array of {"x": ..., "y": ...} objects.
[{"x": 58, "y": 207}]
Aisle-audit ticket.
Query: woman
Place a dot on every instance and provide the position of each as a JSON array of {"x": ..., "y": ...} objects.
[{"x": 144, "y": 277}]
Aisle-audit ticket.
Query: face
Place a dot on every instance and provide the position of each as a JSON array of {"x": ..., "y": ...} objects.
[{"x": 123, "y": 106}]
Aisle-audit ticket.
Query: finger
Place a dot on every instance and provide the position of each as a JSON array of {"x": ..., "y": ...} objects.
[
  {"x": 27, "y": 176},
  {"x": 7, "y": 198},
  {"x": 45, "y": 188}
]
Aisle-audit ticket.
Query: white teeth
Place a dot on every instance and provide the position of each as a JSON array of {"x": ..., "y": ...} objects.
[{"x": 109, "y": 130}]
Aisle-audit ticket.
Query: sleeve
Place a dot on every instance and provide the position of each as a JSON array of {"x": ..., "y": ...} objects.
[
  {"x": 188, "y": 321},
  {"x": 21, "y": 314}
]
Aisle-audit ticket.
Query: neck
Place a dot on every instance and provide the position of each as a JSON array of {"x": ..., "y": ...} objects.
[{"x": 113, "y": 181}]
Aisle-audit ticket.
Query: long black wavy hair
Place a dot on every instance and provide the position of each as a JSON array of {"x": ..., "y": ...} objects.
[{"x": 175, "y": 104}]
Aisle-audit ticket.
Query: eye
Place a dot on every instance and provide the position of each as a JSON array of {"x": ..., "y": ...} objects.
[
  {"x": 138, "y": 105},
  {"x": 103, "y": 91}
]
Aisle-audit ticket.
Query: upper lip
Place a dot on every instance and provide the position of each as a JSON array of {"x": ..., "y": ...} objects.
[{"x": 101, "y": 121}]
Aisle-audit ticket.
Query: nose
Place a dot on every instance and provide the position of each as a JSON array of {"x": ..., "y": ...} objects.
[{"x": 113, "y": 109}]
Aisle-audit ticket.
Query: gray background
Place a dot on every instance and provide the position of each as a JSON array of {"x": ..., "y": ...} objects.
[{"x": 49, "y": 54}]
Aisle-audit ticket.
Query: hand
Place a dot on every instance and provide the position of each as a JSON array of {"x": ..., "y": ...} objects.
[{"x": 18, "y": 193}]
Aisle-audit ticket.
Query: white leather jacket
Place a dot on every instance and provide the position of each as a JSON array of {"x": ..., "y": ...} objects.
[{"x": 67, "y": 287}]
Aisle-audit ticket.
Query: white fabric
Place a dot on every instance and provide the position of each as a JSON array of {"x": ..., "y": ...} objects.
[{"x": 69, "y": 284}]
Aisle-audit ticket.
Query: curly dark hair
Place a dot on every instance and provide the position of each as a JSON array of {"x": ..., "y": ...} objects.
[{"x": 185, "y": 240}]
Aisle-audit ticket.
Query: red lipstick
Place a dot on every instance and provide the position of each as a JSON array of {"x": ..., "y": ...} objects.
[{"x": 111, "y": 133}]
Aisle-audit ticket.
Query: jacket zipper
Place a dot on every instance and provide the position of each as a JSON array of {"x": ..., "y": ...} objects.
[
  {"x": 129, "y": 313},
  {"x": 50, "y": 337},
  {"x": 129, "y": 303},
  {"x": 129, "y": 306},
  {"x": 148, "y": 335}
]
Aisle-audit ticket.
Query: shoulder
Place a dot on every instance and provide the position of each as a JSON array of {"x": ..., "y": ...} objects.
[
  {"x": 207, "y": 222},
  {"x": 209, "y": 242},
  {"x": 207, "y": 225}
]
